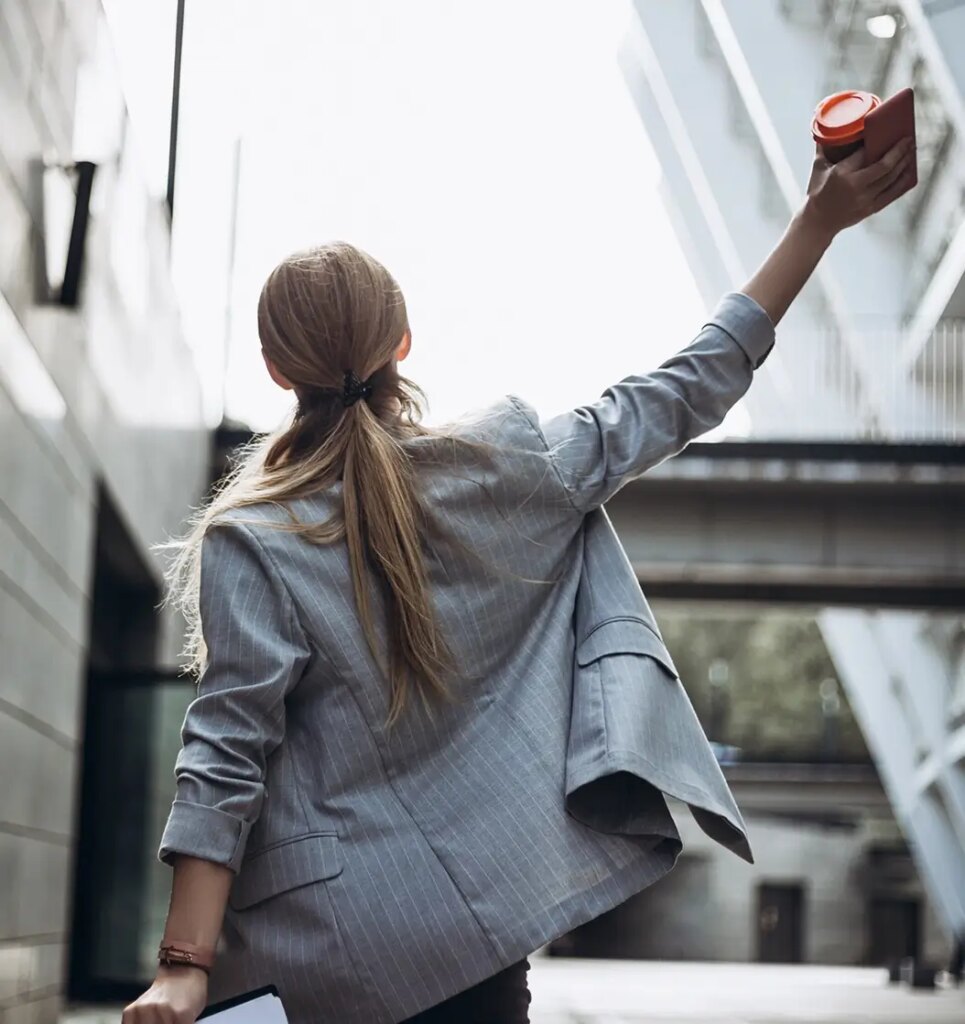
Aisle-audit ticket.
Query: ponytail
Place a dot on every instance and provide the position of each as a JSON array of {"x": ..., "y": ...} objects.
[{"x": 384, "y": 528}]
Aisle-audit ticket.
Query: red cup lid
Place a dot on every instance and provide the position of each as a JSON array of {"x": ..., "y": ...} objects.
[{"x": 839, "y": 118}]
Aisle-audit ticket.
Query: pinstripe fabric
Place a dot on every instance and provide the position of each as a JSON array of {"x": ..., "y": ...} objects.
[{"x": 378, "y": 873}]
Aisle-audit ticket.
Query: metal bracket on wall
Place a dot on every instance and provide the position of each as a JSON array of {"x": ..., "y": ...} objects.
[{"x": 64, "y": 202}]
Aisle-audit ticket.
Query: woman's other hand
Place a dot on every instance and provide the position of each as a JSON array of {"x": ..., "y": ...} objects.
[
  {"x": 177, "y": 996},
  {"x": 845, "y": 193}
]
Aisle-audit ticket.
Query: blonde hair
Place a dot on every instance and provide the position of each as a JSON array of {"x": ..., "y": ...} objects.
[{"x": 322, "y": 312}]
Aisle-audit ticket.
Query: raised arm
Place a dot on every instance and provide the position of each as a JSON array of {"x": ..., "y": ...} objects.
[{"x": 644, "y": 419}]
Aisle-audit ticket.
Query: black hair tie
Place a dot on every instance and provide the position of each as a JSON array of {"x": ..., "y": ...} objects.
[{"x": 353, "y": 388}]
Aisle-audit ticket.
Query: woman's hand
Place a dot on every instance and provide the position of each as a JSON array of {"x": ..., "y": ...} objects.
[
  {"x": 838, "y": 196},
  {"x": 198, "y": 897},
  {"x": 178, "y": 996},
  {"x": 845, "y": 193}
]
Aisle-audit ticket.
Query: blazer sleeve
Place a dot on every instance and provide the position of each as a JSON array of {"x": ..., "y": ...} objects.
[
  {"x": 257, "y": 651},
  {"x": 642, "y": 420}
]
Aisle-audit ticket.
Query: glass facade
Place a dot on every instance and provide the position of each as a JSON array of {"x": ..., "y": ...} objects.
[{"x": 131, "y": 741}]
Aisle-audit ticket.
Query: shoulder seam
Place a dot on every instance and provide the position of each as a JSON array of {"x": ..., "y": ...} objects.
[
  {"x": 541, "y": 437},
  {"x": 294, "y": 619}
]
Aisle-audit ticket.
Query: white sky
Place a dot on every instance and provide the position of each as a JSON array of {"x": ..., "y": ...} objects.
[{"x": 488, "y": 154}]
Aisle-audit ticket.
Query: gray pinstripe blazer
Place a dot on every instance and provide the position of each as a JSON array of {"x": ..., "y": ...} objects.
[{"x": 377, "y": 872}]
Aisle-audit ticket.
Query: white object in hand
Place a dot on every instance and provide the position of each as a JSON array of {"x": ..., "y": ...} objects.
[{"x": 263, "y": 1008}]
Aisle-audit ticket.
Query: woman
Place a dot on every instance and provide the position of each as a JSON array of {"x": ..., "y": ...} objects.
[{"x": 369, "y": 808}]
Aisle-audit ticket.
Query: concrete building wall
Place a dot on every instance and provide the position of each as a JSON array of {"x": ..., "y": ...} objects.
[{"x": 101, "y": 398}]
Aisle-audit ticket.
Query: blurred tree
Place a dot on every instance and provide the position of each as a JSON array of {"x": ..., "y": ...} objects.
[{"x": 763, "y": 683}]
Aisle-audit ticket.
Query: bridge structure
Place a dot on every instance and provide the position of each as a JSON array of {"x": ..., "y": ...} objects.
[
  {"x": 848, "y": 493},
  {"x": 850, "y": 524}
]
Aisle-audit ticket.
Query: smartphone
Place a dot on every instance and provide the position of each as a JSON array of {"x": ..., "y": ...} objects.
[{"x": 893, "y": 121}]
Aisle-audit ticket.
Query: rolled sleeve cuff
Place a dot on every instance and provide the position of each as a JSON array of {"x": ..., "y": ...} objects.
[
  {"x": 204, "y": 832},
  {"x": 746, "y": 322}
]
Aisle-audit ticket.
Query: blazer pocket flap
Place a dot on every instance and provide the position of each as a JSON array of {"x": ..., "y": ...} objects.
[
  {"x": 289, "y": 864},
  {"x": 624, "y": 636}
]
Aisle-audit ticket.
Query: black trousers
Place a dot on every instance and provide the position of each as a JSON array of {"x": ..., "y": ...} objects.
[{"x": 501, "y": 999}]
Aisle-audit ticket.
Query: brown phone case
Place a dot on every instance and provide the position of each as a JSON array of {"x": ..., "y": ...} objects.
[{"x": 893, "y": 121}]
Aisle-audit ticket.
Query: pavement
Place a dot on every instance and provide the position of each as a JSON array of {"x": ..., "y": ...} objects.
[{"x": 572, "y": 991}]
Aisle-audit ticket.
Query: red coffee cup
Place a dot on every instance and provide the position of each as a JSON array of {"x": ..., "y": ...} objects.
[{"x": 838, "y": 122}]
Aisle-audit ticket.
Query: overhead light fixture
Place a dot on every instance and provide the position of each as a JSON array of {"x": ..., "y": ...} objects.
[{"x": 882, "y": 26}]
